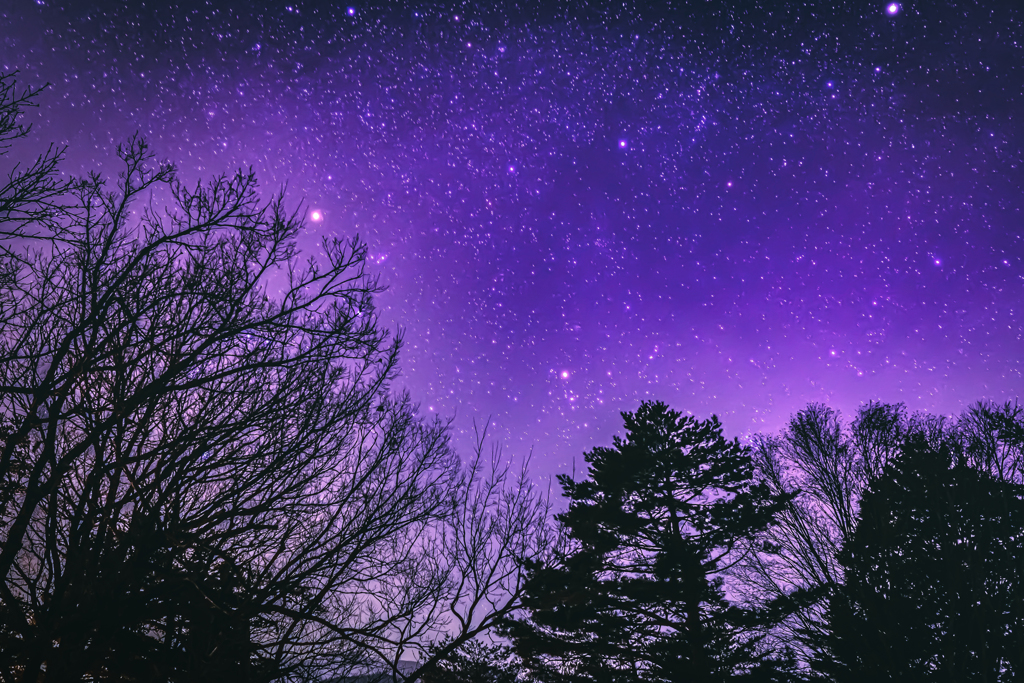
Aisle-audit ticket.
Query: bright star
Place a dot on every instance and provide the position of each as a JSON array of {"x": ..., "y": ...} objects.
[
  {"x": 892, "y": 9},
  {"x": 316, "y": 216}
]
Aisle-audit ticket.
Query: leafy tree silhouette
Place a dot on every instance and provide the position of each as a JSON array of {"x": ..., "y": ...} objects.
[
  {"x": 933, "y": 588},
  {"x": 636, "y": 592},
  {"x": 829, "y": 465}
]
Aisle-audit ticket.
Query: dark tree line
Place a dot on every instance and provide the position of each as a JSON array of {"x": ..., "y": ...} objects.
[
  {"x": 891, "y": 549},
  {"x": 201, "y": 480}
]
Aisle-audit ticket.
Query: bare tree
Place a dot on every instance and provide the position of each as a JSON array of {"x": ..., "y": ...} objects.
[
  {"x": 991, "y": 439},
  {"x": 29, "y": 192},
  {"x": 201, "y": 480},
  {"x": 827, "y": 466},
  {"x": 498, "y": 522}
]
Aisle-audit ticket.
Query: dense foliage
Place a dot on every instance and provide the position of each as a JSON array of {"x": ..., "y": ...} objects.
[
  {"x": 636, "y": 594},
  {"x": 934, "y": 576},
  {"x": 902, "y": 547}
]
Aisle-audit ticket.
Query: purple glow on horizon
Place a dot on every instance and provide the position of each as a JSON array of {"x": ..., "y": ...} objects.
[{"x": 581, "y": 211}]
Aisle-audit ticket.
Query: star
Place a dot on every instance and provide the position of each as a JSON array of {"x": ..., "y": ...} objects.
[{"x": 522, "y": 236}]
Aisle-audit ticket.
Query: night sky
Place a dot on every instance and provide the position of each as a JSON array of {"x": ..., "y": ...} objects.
[{"x": 737, "y": 208}]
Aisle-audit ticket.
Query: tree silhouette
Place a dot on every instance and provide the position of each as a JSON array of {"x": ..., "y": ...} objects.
[
  {"x": 636, "y": 593},
  {"x": 476, "y": 662},
  {"x": 934, "y": 578},
  {"x": 827, "y": 465},
  {"x": 823, "y": 467},
  {"x": 200, "y": 480}
]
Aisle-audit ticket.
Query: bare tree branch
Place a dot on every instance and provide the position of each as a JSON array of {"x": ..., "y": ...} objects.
[{"x": 199, "y": 480}]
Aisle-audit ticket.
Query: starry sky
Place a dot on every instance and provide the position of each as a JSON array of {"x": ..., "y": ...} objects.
[{"x": 734, "y": 207}]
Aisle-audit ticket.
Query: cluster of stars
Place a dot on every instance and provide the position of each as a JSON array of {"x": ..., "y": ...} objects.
[{"x": 733, "y": 209}]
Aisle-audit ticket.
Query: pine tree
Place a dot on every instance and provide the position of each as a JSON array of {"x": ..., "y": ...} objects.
[{"x": 636, "y": 594}]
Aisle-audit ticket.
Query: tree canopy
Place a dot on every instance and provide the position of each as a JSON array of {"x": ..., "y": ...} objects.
[
  {"x": 934, "y": 576},
  {"x": 636, "y": 593}
]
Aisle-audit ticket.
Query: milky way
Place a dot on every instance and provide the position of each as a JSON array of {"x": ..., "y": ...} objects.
[{"x": 734, "y": 208}]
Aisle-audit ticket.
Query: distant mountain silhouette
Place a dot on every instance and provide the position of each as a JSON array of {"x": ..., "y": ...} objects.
[{"x": 404, "y": 668}]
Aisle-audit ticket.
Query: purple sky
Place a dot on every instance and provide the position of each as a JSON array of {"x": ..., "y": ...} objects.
[{"x": 731, "y": 209}]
